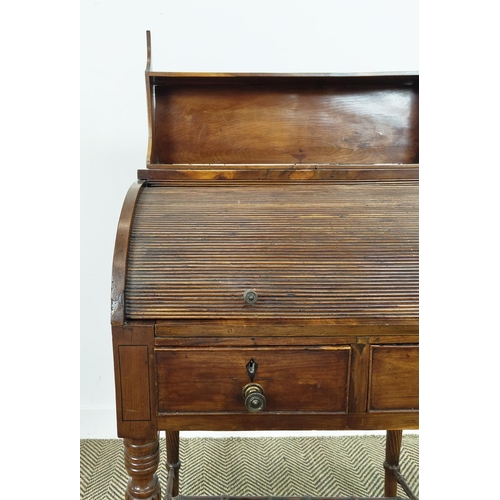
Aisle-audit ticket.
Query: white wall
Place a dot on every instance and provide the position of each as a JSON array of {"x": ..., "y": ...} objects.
[{"x": 190, "y": 35}]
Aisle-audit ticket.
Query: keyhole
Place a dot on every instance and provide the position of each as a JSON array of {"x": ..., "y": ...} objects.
[{"x": 252, "y": 369}]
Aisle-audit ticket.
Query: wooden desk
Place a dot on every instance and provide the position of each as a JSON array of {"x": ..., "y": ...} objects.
[{"x": 265, "y": 274}]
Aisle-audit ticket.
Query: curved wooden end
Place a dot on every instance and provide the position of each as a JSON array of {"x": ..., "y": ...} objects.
[{"x": 119, "y": 272}]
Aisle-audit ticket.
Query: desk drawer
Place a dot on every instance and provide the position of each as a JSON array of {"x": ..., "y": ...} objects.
[
  {"x": 394, "y": 378},
  {"x": 293, "y": 379}
]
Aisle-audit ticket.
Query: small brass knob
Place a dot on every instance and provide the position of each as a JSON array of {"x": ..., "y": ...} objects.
[
  {"x": 250, "y": 296},
  {"x": 254, "y": 397}
]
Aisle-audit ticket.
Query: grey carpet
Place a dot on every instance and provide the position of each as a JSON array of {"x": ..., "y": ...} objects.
[{"x": 285, "y": 466}]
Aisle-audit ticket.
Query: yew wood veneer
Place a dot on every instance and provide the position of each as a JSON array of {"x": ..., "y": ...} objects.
[{"x": 265, "y": 274}]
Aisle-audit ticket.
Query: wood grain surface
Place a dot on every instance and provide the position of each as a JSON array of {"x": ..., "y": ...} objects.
[
  {"x": 294, "y": 379},
  {"x": 310, "y": 250},
  {"x": 394, "y": 378},
  {"x": 208, "y": 120}
]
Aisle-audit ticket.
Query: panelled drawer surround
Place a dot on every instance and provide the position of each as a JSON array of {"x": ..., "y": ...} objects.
[{"x": 301, "y": 379}]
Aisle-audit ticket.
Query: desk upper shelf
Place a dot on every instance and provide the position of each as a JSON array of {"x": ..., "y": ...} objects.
[{"x": 271, "y": 119}]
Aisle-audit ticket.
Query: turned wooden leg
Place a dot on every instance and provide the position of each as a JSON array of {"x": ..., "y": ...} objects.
[
  {"x": 141, "y": 461},
  {"x": 173, "y": 457},
  {"x": 392, "y": 450}
]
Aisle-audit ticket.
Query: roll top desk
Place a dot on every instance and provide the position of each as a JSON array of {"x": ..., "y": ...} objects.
[{"x": 265, "y": 274}]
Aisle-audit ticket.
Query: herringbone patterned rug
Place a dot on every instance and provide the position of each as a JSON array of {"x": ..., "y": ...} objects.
[{"x": 285, "y": 466}]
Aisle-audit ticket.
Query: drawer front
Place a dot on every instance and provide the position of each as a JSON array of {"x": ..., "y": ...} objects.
[
  {"x": 393, "y": 378},
  {"x": 293, "y": 379}
]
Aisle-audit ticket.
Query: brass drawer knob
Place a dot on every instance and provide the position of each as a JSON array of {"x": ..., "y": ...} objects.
[
  {"x": 250, "y": 296},
  {"x": 254, "y": 397}
]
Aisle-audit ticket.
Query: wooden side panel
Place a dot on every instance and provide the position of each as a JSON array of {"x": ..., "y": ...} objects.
[
  {"x": 394, "y": 378},
  {"x": 294, "y": 379},
  {"x": 133, "y": 350},
  {"x": 135, "y": 383},
  {"x": 285, "y": 122}
]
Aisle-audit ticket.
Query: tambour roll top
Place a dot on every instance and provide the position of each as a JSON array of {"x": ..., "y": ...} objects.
[{"x": 308, "y": 250}]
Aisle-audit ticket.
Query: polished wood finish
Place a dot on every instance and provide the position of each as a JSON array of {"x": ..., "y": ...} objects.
[
  {"x": 287, "y": 421},
  {"x": 172, "y": 441},
  {"x": 392, "y": 451},
  {"x": 133, "y": 350},
  {"x": 310, "y": 250},
  {"x": 134, "y": 382},
  {"x": 274, "y": 120},
  {"x": 305, "y": 340},
  {"x": 351, "y": 173},
  {"x": 120, "y": 256},
  {"x": 394, "y": 378},
  {"x": 255, "y": 330},
  {"x": 303, "y": 188},
  {"x": 312, "y": 379},
  {"x": 141, "y": 461}
]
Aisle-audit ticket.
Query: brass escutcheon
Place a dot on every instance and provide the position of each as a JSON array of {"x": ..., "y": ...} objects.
[{"x": 250, "y": 296}]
